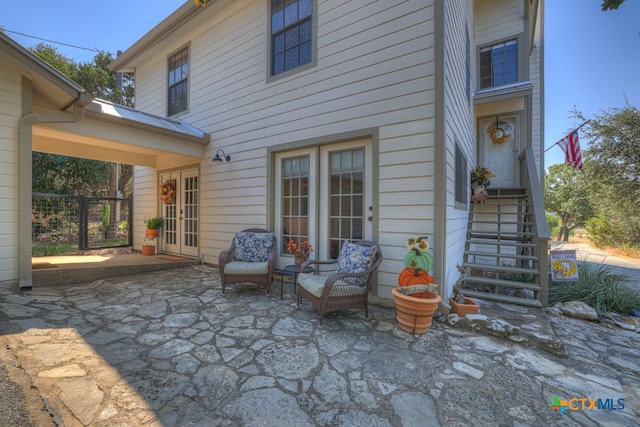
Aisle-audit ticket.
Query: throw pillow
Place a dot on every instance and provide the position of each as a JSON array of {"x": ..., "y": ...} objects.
[
  {"x": 252, "y": 247},
  {"x": 355, "y": 258}
]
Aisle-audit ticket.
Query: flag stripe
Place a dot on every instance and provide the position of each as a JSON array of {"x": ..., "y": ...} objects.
[{"x": 570, "y": 144}]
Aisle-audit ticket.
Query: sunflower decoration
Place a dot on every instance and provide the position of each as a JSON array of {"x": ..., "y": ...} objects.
[
  {"x": 168, "y": 191},
  {"x": 565, "y": 268}
]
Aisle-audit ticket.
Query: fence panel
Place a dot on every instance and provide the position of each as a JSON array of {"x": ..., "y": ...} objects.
[{"x": 63, "y": 223}]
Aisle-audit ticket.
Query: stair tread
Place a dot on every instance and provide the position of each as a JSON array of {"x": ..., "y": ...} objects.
[
  {"x": 502, "y": 268},
  {"x": 502, "y": 282},
  {"x": 481, "y": 221},
  {"x": 501, "y": 255},
  {"x": 502, "y": 298},
  {"x": 502, "y": 243}
]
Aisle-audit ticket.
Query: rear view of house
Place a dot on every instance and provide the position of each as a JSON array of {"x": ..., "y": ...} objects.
[
  {"x": 334, "y": 121},
  {"x": 341, "y": 120}
]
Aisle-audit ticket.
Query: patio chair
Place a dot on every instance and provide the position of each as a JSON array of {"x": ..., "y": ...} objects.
[
  {"x": 341, "y": 283},
  {"x": 251, "y": 258}
]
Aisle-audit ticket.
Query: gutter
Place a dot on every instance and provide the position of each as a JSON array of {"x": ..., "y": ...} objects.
[{"x": 25, "y": 167}]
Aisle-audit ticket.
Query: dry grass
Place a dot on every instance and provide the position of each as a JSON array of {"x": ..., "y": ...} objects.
[{"x": 630, "y": 254}]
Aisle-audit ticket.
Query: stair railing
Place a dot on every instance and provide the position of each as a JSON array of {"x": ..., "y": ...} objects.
[{"x": 540, "y": 227}]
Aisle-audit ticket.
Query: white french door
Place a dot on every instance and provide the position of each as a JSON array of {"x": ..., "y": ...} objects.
[
  {"x": 180, "y": 231},
  {"x": 323, "y": 195}
]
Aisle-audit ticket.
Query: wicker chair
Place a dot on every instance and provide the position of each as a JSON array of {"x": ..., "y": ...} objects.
[
  {"x": 341, "y": 283},
  {"x": 251, "y": 258}
]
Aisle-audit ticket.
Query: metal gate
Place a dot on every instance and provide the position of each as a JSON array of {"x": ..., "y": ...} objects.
[{"x": 63, "y": 223}]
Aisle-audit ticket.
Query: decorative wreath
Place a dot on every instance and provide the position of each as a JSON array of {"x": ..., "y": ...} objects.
[
  {"x": 565, "y": 268},
  {"x": 168, "y": 191},
  {"x": 498, "y": 135}
]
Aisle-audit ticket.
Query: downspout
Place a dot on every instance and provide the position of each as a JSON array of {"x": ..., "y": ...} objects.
[
  {"x": 25, "y": 168},
  {"x": 440, "y": 152}
]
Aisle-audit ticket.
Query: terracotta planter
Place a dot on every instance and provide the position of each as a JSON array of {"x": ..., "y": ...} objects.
[
  {"x": 469, "y": 307},
  {"x": 148, "y": 250},
  {"x": 152, "y": 234},
  {"x": 413, "y": 314}
]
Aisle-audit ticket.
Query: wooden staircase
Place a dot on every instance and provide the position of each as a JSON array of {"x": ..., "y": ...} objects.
[{"x": 503, "y": 257}]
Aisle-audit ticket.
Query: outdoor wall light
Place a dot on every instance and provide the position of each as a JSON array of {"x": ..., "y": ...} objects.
[{"x": 219, "y": 158}]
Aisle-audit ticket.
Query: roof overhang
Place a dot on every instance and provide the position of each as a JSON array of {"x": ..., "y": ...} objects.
[
  {"x": 54, "y": 87},
  {"x": 124, "y": 62}
]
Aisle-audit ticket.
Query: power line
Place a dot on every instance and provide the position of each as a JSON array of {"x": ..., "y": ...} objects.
[{"x": 52, "y": 41}]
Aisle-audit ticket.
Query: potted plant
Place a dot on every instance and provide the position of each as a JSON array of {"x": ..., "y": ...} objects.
[
  {"x": 460, "y": 304},
  {"x": 416, "y": 297},
  {"x": 153, "y": 225},
  {"x": 300, "y": 251},
  {"x": 479, "y": 183}
]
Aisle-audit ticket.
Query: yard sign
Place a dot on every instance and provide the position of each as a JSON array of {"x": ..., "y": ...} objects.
[{"x": 564, "y": 267}]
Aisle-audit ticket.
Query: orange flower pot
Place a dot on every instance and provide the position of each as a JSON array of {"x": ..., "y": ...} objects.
[
  {"x": 152, "y": 234},
  {"x": 469, "y": 307},
  {"x": 414, "y": 315},
  {"x": 148, "y": 250}
]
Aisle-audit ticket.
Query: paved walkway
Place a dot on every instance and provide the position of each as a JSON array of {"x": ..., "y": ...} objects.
[{"x": 167, "y": 348}]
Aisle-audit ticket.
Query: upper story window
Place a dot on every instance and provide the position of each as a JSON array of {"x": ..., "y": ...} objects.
[
  {"x": 291, "y": 34},
  {"x": 499, "y": 64},
  {"x": 178, "y": 82}
]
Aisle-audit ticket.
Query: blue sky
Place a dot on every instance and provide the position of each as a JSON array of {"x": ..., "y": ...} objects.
[{"x": 592, "y": 57}]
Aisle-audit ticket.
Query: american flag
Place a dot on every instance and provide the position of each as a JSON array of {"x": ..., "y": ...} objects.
[{"x": 570, "y": 144}]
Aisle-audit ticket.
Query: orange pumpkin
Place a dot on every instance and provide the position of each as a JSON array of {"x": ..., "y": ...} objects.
[{"x": 415, "y": 276}]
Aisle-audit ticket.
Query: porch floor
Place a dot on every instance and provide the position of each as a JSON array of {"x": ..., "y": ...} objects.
[{"x": 73, "y": 269}]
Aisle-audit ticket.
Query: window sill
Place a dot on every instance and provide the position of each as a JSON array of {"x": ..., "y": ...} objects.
[{"x": 503, "y": 90}]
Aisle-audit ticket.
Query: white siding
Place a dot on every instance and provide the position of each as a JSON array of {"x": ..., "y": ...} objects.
[
  {"x": 537, "y": 104},
  {"x": 374, "y": 71},
  {"x": 10, "y": 113},
  {"x": 498, "y": 19}
]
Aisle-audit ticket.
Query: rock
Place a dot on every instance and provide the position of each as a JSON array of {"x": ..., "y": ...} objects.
[{"x": 579, "y": 310}]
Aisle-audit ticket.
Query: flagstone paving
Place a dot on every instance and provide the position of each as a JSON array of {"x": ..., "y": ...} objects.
[{"x": 167, "y": 348}]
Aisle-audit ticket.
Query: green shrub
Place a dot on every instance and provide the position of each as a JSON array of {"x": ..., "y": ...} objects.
[{"x": 599, "y": 287}]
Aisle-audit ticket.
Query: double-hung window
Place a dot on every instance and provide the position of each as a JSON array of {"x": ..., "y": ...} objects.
[
  {"x": 499, "y": 64},
  {"x": 178, "y": 82},
  {"x": 291, "y": 34}
]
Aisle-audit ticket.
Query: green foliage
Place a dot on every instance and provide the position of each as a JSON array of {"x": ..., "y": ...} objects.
[
  {"x": 612, "y": 169},
  {"x": 106, "y": 216},
  {"x": 599, "y": 287},
  {"x": 95, "y": 77},
  {"x": 154, "y": 223},
  {"x": 611, "y": 4},
  {"x": 52, "y": 249},
  {"x": 566, "y": 194},
  {"x": 57, "y": 174}
]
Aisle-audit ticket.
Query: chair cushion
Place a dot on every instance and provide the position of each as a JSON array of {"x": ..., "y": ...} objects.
[
  {"x": 355, "y": 258},
  {"x": 314, "y": 284},
  {"x": 252, "y": 247},
  {"x": 237, "y": 267}
]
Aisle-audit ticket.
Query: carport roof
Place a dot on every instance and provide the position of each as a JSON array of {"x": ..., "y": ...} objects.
[{"x": 117, "y": 111}]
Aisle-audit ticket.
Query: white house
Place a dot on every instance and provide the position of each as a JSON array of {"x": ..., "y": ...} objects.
[{"x": 341, "y": 120}]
